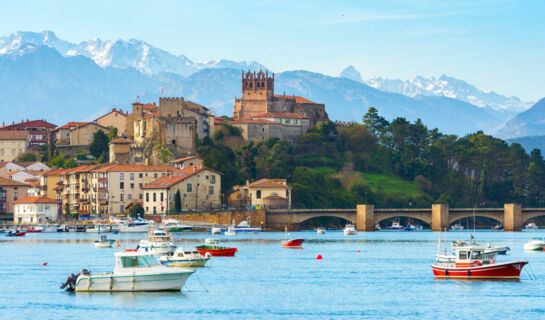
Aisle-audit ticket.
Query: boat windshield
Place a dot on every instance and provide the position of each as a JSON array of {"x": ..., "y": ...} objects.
[
  {"x": 476, "y": 255},
  {"x": 138, "y": 261}
]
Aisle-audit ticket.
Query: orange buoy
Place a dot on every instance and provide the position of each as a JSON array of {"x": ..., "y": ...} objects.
[
  {"x": 319, "y": 257},
  {"x": 358, "y": 251},
  {"x": 44, "y": 263},
  {"x": 300, "y": 248}
]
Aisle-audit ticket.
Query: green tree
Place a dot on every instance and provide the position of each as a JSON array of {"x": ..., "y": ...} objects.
[
  {"x": 99, "y": 145},
  {"x": 136, "y": 211},
  {"x": 178, "y": 201},
  {"x": 374, "y": 121},
  {"x": 70, "y": 163},
  {"x": 113, "y": 133},
  {"x": 58, "y": 161},
  {"x": 29, "y": 156}
]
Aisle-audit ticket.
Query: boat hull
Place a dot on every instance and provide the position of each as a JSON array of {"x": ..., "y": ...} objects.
[
  {"x": 130, "y": 283},
  {"x": 294, "y": 243},
  {"x": 193, "y": 263},
  {"x": 505, "y": 270},
  {"x": 161, "y": 250},
  {"x": 217, "y": 251},
  {"x": 104, "y": 244}
]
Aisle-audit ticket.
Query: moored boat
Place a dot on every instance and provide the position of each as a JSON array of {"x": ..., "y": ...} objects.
[
  {"x": 185, "y": 258},
  {"x": 531, "y": 227},
  {"x": 350, "y": 230},
  {"x": 174, "y": 226},
  {"x": 15, "y": 233},
  {"x": 135, "y": 226},
  {"x": 134, "y": 271},
  {"x": 103, "y": 242},
  {"x": 320, "y": 230},
  {"x": 395, "y": 226},
  {"x": 457, "y": 227},
  {"x": 215, "y": 230},
  {"x": 211, "y": 241},
  {"x": 216, "y": 251},
  {"x": 159, "y": 241},
  {"x": 292, "y": 243},
  {"x": 36, "y": 229},
  {"x": 244, "y": 226},
  {"x": 231, "y": 232},
  {"x": 535, "y": 244}
]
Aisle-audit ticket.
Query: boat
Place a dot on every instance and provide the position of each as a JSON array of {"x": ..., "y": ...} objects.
[
  {"x": 473, "y": 263},
  {"x": 535, "y": 244},
  {"x": 50, "y": 229},
  {"x": 216, "y": 251},
  {"x": 457, "y": 227},
  {"x": 185, "y": 258},
  {"x": 488, "y": 247},
  {"x": 395, "y": 226},
  {"x": 36, "y": 229},
  {"x": 291, "y": 243},
  {"x": 94, "y": 228},
  {"x": 320, "y": 230},
  {"x": 210, "y": 241},
  {"x": 159, "y": 242},
  {"x": 173, "y": 226},
  {"x": 410, "y": 227},
  {"x": 350, "y": 230},
  {"x": 134, "y": 271},
  {"x": 497, "y": 227},
  {"x": 63, "y": 228},
  {"x": 15, "y": 233},
  {"x": 135, "y": 226},
  {"x": 419, "y": 227},
  {"x": 377, "y": 226},
  {"x": 244, "y": 226},
  {"x": 231, "y": 232},
  {"x": 103, "y": 242},
  {"x": 531, "y": 227},
  {"x": 215, "y": 230}
]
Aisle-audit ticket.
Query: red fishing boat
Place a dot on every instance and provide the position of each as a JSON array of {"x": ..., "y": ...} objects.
[
  {"x": 215, "y": 251},
  {"x": 34, "y": 229},
  {"x": 475, "y": 262},
  {"x": 16, "y": 233},
  {"x": 291, "y": 243}
]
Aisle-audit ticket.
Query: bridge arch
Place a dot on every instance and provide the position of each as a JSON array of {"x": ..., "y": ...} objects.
[
  {"x": 526, "y": 217},
  {"x": 351, "y": 217},
  {"x": 453, "y": 217},
  {"x": 385, "y": 216}
]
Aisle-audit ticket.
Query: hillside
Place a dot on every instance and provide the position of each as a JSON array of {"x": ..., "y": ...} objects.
[{"x": 528, "y": 123}]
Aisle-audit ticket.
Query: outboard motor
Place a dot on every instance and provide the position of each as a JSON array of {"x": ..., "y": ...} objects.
[{"x": 70, "y": 283}]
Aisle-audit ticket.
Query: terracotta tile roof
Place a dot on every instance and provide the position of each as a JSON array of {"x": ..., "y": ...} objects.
[
  {"x": 269, "y": 183},
  {"x": 36, "y": 200},
  {"x": 5, "y": 182},
  {"x": 84, "y": 168},
  {"x": 254, "y": 121},
  {"x": 13, "y": 135},
  {"x": 33, "y": 182},
  {"x": 175, "y": 177},
  {"x": 152, "y": 115},
  {"x": 219, "y": 120},
  {"x": 121, "y": 141},
  {"x": 72, "y": 124},
  {"x": 298, "y": 99},
  {"x": 150, "y": 106},
  {"x": 34, "y": 172},
  {"x": 29, "y": 124},
  {"x": 281, "y": 115},
  {"x": 54, "y": 172},
  {"x": 184, "y": 159},
  {"x": 134, "y": 168}
]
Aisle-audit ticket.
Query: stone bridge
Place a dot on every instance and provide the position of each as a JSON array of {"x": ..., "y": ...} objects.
[{"x": 439, "y": 216}]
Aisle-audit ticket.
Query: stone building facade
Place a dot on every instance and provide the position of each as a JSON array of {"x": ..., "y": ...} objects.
[{"x": 114, "y": 119}]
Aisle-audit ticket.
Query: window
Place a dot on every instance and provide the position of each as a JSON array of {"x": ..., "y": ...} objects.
[
  {"x": 121, "y": 185},
  {"x": 147, "y": 196},
  {"x": 258, "y": 194},
  {"x": 140, "y": 175},
  {"x": 476, "y": 255},
  {"x": 155, "y": 175},
  {"x": 211, "y": 190},
  {"x": 140, "y": 196},
  {"x": 121, "y": 197},
  {"x": 161, "y": 196},
  {"x": 294, "y": 121},
  {"x": 189, "y": 187},
  {"x": 462, "y": 255},
  {"x": 129, "y": 196},
  {"x": 132, "y": 185},
  {"x": 131, "y": 176},
  {"x": 212, "y": 179},
  {"x": 15, "y": 195},
  {"x": 121, "y": 208},
  {"x": 154, "y": 197},
  {"x": 154, "y": 210},
  {"x": 140, "y": 185},
  {"x": 121, "y": 176}
]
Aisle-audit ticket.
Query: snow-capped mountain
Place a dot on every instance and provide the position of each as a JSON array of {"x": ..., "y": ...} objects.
[
  {"x": 134, "y": 53},
  {"x": 449, "y": 87}
]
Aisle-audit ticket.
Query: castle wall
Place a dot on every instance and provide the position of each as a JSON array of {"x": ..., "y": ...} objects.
[{"x": 171, "y": 107}]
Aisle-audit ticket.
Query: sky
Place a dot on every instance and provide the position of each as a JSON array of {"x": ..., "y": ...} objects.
[{"x": 496, "y": 45}]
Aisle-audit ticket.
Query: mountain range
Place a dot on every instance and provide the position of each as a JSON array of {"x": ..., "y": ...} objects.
[{"x": 47, "y": 77}]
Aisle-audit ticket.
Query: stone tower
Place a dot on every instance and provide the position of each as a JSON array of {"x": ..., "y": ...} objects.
[{"x": 257, "y": 86}]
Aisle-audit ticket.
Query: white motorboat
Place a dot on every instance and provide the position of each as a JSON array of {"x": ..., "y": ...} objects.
[
  {"x": 104, "y": 242},
  {"x": 173, "y": 225},
  {"x": 134, "y": 271},
  {"x": 377, "y": 226},
  {"x": 419, "y": 227},
  {"x": 159, "y": 242},
  {"x": 185, "y": 258},
  {"x": 50, "y": 229},
  {"x": 211, "y": 241},
  {"x": 215, "y": 230},
  {"x": 457, "y": 227},
  {"x": 244, "y": 226},
  {"x": 99, "y": 228},
  {"x": 136, "y": 226},
  {"x": 395, "y": 226},
  {"x": 350, "y": 230},
  {"x": 231, "y": 232},
  {"x": 535, "y": 244},
  {"x": 320, "y": 230},
  {"x": 531, "y": 226}
]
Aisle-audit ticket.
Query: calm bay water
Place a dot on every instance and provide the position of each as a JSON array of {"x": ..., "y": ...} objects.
[{"x": 390, "y": 278}]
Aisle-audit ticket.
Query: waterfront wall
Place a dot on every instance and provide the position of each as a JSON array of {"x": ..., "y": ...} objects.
[{"x": 257, "y": 217}]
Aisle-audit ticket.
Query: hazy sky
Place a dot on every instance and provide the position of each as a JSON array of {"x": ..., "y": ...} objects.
[{"x": 496, "y": 45}]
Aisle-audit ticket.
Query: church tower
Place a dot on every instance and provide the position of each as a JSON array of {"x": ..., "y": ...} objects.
[{"x": 257, "y": 86}]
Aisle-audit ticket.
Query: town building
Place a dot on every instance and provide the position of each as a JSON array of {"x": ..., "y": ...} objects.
[
  {"x": 264, "y": 193},
  {"x": 124, "y": 151},
  {"x": 257, "y": 130},
  {"x": 20, "y": 175},
  {"x": 114, "y": 119},
  {"x": 13, "y": 143},
  {"x": 78, "y": 133},
  {"x": 199, "y": 188},
  {"x": 185, "y": 162},
  {"x": 39, "y": 131},
  {"x": 258, "y": 98},
  {"x": 22, "y": 166},
  {"x": 51, "y": 183},
  {"x": 35, "y": 210},
  {"x": 10, "y": 191}
]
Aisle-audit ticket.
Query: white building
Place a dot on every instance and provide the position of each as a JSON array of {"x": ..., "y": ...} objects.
[{"x": 35, "y": 210}]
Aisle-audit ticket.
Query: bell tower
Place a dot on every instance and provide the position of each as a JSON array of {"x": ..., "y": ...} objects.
[{"x": 257, "y": 86}]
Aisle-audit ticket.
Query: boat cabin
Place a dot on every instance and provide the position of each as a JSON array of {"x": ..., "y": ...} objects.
[
  {"x": 132, "y": 259},
  {"x": 473, "y": 256},
  {"x": 159, "y": 236}
]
